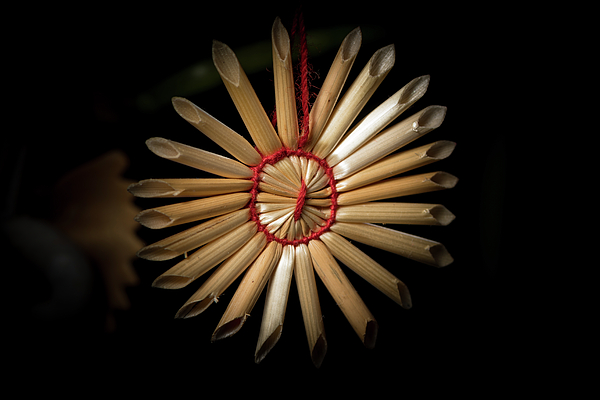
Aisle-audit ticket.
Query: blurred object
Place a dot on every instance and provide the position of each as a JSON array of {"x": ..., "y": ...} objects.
[{"x": 93, "y": 208}]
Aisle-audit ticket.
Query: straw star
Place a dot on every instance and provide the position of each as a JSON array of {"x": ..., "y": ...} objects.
[{"x": 290, "y": 204}]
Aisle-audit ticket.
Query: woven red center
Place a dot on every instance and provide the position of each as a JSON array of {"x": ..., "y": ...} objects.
[{"x": 273, "y": 159}]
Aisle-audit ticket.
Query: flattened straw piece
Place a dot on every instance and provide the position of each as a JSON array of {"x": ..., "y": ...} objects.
[
  {"x": 194, "y": 210},
  {"x": 416, "y": 248},
  {"x": 267, "y": 207},
  {"x": 379, "y": 118},
  {"x": 390, "y": 140},
  {"x": 288, "y": 169},
  {"x": 320, "y": 193},
  {"x": 318, "y": 202},
  {"x": 204, "y": 259},
  {"x": 278, "y": 223},
  {"x": 395, "y": 213},
  {"x": 152, "y": 188},
  {"x": 247, "y": 103},
  {"x": 194, "y": 237},
  {"x": 332, "y": 86},
  {"x": 228, "y": 139},
  {"x": 270, "y": 216},
  {"x": 278, "y": 174},
  {"x": 354, "y": 100},
  {"x": 343, "y": 292},
  {"x": 199, "y": 159},
  {"x": 275, "y": 304},
  {"x": 285, "y": 98},
  {"x": 397, "y": 187},
  {"x": 276, "y": 190},
  {"x": 266, "y": 178},
  {"x": 367, "y": 268},
  {"x": 396, "y": 164},
  {"x": 223, "y": 276},
  {"x": 309, "y": 302},
  {"x": 273, "y": 198},
  {"x": 248, "y": 292}
]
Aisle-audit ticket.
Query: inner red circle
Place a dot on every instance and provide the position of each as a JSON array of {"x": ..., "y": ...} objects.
[{"x": 273, "y": 159}]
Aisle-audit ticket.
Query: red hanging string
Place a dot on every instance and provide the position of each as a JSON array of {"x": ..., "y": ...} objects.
[{"x": 298, "y": 28}]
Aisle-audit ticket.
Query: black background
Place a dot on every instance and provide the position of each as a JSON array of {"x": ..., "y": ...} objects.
[{"x": 81, "y": 72}]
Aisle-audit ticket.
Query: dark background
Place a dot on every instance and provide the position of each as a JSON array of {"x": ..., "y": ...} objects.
[{"x": 81, "y": 75}]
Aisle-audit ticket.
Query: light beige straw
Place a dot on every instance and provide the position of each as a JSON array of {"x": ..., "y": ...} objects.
[
  {"x": 379, "y": 118},
  {"x": 391, "y": 139},
  {"x": 396, "y": 164},
  {"x": 197, "y": 158},
  {"x": 194, "y": 210},
  {"x": 223, "y": 276},
  {"x": 248, "y": 292},
  {"x": 309, "y": 302},
  {"x": 275, "y": 304},
  {"x": 355, "y": 99},
  {"x": 187, "y": 187},
  {"x": 395, "y": 213},
  {"x": 409, "y": 246},
  {"x": 397, "y": 187},
  {"x": 247, "y": 103},
  {"x": 367, "y": 268},
  {"x": 206, "y": 258},
  {"x": 193, "y": 237},
  {"x": 343, "y": 292},
  {"x": 283, "y": 75},
  {"x": 229, "y": 140},
  {"x": 332, "y": 86}
]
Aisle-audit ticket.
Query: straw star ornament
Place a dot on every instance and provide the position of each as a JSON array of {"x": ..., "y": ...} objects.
[{"x": 290, "y": 205}]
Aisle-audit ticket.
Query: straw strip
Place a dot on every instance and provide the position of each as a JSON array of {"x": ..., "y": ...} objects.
[
  {"x": 396, "y": 164},
  {"x": 197, "y": 158},
  {"x": 355, "y": 99},
  {"x": 332, "y": 86},
  {"x": 409, "y": 246},
  {"x": 247, "y": 103},
  {"x": 367, "y": 268},
  {"x": 379, "y": 118},
  {"x": 194, "y": 237},
  {"x": 248, "y": 292},
  {"x": 275, "y": 304},
  {"x": 285, "y": 98},
  {"x": 152, "y": 188},
  {"x": 343, "y": 292},
  {"x": 395, "y": 213},
  {"x": 309, "y": 302},
  {"x": 204, "y": 259},
  {"x": 194, "y": 210},
  {"x": 391, "y": 139},
  {"x": 224, "y": 276},
  {"x": 228, "y": 139},
  {"x": 397, "y": 187}
]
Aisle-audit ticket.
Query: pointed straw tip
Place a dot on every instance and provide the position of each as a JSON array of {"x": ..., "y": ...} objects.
[
  {"x": 382, "y": 61},
  {"x": 370, "y": 336},
  {"x": 267, "y": 345},
  {"x": 440, "y": 255},
  {"x": 153, "y": 219},
  {"x": 431, "y": 118},
  {"x": 195, "y": 308},
  {"x": 351, "y": 44},
  {"x": 186, "y": 109},
  {"x": 226, "y": 62},
  {"x": 228, "y": 329},
  {"x": 414, "y": 90},
  {"x": 171, "y": 282},
  {"x": 162, "y": 147},
  {"x": 156, "y": 253},
  {"x": 319, "y": 351}
]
